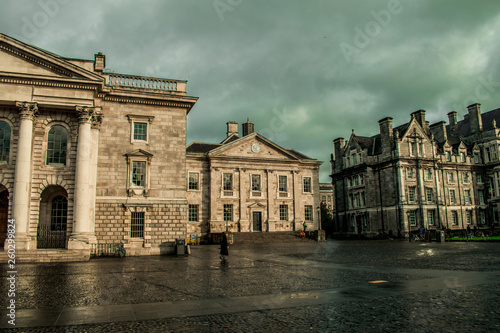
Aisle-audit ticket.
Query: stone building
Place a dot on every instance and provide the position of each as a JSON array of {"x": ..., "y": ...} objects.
[
  {"x": 88, "y": 157},
  {"x": 249, "y": 184},
  {"x": 326, "y": 195},
  {"x": 419, "y": 175}
]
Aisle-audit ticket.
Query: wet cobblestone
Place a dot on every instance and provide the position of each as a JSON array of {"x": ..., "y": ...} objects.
[{"x": 270, "y": 269}]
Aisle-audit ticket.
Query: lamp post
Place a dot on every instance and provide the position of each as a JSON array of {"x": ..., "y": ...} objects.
[
  {"x": 409, "y": 226},
  {"x": 319, "y": 216}
]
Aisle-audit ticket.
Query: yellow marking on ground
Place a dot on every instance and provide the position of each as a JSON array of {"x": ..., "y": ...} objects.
[{"x": 378, "y": 281}]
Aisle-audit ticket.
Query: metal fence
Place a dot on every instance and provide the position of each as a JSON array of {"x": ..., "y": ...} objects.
[
  {"x": 50, "y": 239},
  {"x": 104, "y": 250}
]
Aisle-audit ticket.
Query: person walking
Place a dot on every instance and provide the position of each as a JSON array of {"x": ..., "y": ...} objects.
[{"x": 224, "y": 247}]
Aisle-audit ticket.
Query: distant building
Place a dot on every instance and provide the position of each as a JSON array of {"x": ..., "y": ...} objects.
[
  {"x": 87, "y": 157},
  {"x": 419, "y": 175},
  {"x": 326, "y": 195},
  {"x": 249, "y": 184}
]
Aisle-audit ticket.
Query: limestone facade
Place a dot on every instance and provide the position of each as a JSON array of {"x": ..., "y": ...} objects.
[
  {"x": 250, "y": 184},
  {"x": 97, "y": 157},
  {"x": 419, "y": 175}
]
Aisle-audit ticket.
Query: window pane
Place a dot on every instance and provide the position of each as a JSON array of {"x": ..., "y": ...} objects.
[
  {"x": 137, "y": 225},
  {"x": 59, "y": 213},
  {"x": 139, "y": 174},
  {"x": 193, "y": 181},
  {"x": 227, "y": 180},
  {"x": 228, "y": 212},
  {"x": 4, "y": 142},
  {"x": 308, "y": 213},
  {"x": 256, "y": 183},
  {"x": 193, "y": 213},
  {"x": 307, "y": 184},
  {"x": 283, "y": 212},
  {"x": 283, "y": 186},
  {"x": 140, "y": 131},
  {"x": 56, "y": 145}
]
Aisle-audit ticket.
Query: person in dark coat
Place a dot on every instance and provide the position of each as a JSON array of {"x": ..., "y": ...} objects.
[{"x": 224, "y": 247}]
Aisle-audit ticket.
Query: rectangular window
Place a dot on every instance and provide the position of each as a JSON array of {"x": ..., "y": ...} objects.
[
  {"x": 227, "y": 181},
  {"x": 363, "y": 199},
  {"x": 351, "y": 201},
  {"x": 228, "y": 213},
  {"x": 462, "y": 157},
  {"x": 360, "y": 158},
  {"x": 308, "y": 212},
  {"x": 454, "y": 217},
  {"x": 487, "y": 154},
  {"x": 141, "y": 131},
  {"x": 476, "y": 157},
  {"x": 411, "y": 193},
  {"x": 355, "y": 180},
  {"x": 431, "y": 216},
  {"x": 466, "y": 177},
  {"x": 323, "y": 198},
  {"x": 357, "y": 200},
  {"x": 193, "y": 213},
  {"x": 479, "y": 179},
  {"x": 452, "y": 196},
  {"x": 467, "y": 196},
  {"x": 193, "y": 181},
  {"x": 450, "y": 176},
  {"x": 354, "y": 159},
  {"x": 428, "y": 174},
  {"x": 410, "y": 173},
  {"x": 137, "y": 225},
  {"x": 307, "y": 185},
  {"x": 468, "y": 216},
  {"x": 256, "y": 184},
  {"x": 283, "y": 184},
  {"x": 139, "y": 173},
  {"x": 448, "y": 156},
  {"x": 413, "y": 148},
  {"x": 362, "y": 179},
  {"x": 480, "y": 194},
  {"x": 412, "y": 216},
  {"x": 482, "y": 216},
  {"x": 283, "y": 212},
  {"x": 429, "y": 194}
]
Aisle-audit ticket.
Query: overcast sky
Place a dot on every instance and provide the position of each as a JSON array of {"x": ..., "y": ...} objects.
[{"x": 305, "y": 72}]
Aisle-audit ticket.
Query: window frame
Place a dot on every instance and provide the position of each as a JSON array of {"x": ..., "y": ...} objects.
[
  {"x": 304, "y": 184},
  {"x": 283, "y": 212},
  {"x": 453, "y": 197},
  {"x": 138, "y": 156},
  {"x": 193, "y": 213},
  {"x": 227, "y": 211},
  {"x": 283, "y": 193},
  {"x": 66, "y": 151},
  {"x": 137, "y": 229},
  {"x": 3, "y": 147},
  {"x": 412, "y": 218},
  {"x": 431, "y": 216},
  {"x": 308, "y": 213},
  {"x": 412, "y": 193},
  {"x": 429, "y": 192},
  {"x": 197, "y": 181},
  {"x": 142, "y": 119}
]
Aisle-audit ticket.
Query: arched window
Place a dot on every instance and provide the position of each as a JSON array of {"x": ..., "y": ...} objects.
[
  {"x": 4, "y": 142},
  {"x": 56, "y": 145},
  {"x": 59, "y": 213}
]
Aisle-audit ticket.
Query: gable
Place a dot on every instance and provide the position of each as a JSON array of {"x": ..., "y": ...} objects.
[
  {"x": 253, "y": 147},
  {"x": 19, "y": 58},
  {"x": 414, "y": 130},
  {"x": 12, "y": 64}
]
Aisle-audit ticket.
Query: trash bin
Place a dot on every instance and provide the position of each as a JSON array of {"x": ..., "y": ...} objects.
[
  {"x": 181, "y": 246},
  {"x": 440, "y": 236}
]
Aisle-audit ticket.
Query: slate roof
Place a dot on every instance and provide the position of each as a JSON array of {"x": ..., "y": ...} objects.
[
  {"x": 487, "y": 118},
  {"x": 201, "y": 148}
]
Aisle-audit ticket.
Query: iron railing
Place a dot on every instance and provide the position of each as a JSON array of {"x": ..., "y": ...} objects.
[{"x": 50, "y": 239}]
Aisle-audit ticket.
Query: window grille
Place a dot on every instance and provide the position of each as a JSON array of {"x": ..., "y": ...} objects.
[
  {"x": 193, "y": 213},
  {"x": 137, "y": 225},
  {"x": 283, "y": 212},
  {"x": 140, "y": 131}
]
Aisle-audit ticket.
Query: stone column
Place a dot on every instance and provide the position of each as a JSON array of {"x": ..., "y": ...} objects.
[
  {"x": 82, "y": 235},
  {"x": 96, "y": 122},
  {"x": 22, "y": 177}
]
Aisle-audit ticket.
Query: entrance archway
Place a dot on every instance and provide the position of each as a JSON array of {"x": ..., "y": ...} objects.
[
  {"x": 4, "y": 213},
  {"x": 53, "y": 218}
]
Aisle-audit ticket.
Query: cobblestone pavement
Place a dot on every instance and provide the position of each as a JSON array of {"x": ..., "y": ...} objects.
[{"x": 288, "y": 287}]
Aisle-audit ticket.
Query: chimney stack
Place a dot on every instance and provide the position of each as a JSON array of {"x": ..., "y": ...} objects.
[
  {"x": 475, "y": 120},
  {"x": 99, "y": 62},
  {"x": 338, "y": 151},
  {"x": 248, "y": 128},
  {"x": 452, "y": 118},
  {"x": 232, "y": 128},
  {"x": 386, "y": 133}
]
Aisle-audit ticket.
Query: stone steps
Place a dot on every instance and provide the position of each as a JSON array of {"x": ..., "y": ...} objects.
[{"x": 47, "y": 255}]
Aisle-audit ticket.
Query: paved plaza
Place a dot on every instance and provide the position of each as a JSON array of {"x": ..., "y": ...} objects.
[{"x": 335, "y": 286}]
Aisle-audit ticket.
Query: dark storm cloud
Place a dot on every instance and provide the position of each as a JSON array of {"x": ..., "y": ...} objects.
[{"x": 305, "y": 72}]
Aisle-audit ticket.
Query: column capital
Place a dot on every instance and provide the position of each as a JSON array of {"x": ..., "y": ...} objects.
[
  {"x": 96, "y": 119},
  {"x": 84, "y": 114},
  {"x": 28, "y": 110}
]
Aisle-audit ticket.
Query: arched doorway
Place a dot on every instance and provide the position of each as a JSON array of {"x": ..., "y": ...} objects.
[
  {"x": 53, "y": 218},
  {"x": 4, "y": 213}
]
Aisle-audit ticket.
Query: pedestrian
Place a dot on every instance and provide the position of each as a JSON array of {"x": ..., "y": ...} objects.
[
  {"x": 224, "y": 247},
  {"x": 305, "y": 226},
  {"x": 468, "y": 230},
  {"x": 475, "y": 230}
]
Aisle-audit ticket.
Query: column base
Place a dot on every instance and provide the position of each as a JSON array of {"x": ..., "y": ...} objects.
[
  {"x": 81, "y": 241},
  {"x": 23, "y": 242}
]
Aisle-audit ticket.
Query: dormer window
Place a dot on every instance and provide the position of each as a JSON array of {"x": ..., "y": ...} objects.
[
  {"x": 462, "y": 157},
  {"x": 448, "y": 156}
]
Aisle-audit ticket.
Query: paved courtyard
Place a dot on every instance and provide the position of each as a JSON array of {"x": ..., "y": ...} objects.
[{"x": 336, "y": 286}]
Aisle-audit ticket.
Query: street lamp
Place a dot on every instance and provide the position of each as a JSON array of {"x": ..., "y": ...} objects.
[
  {"x": 319, "y": 216},
  {"x": 409, "y": 225}
]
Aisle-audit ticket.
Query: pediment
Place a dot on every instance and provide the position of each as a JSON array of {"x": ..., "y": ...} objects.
[
  {"x": 253, "y": 146},
  {"x": 415, "y": 130},
  {"x": 256, "y": 205},
  {"x": 138, "y": 153},
  {"x": 26, "y": 60}
]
